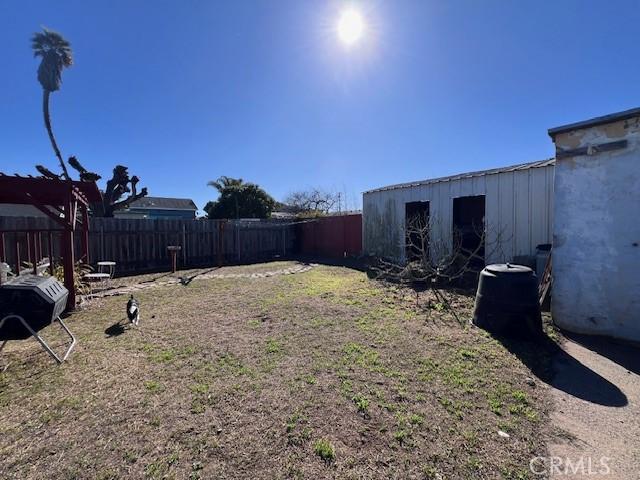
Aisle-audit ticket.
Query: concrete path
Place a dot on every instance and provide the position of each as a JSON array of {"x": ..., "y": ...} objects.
[
  {"x": 596, "y": 392},
  {"x": 204, "y": 274}
]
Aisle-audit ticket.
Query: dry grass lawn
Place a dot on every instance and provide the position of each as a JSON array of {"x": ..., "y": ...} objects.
[{"x": 323, "y": 374}]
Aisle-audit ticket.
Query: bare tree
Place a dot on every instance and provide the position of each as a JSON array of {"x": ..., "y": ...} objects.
[
  {"x": 435, "y": 262},
  {"x": 314, "y": 201},
  {"x": 117, "y": 186}
]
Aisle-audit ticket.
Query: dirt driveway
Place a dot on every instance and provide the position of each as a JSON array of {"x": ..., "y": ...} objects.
[{"x": 596, "y": 392}]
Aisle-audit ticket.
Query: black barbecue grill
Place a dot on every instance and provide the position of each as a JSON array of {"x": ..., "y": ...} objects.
[{"x": 28, "y": 304}]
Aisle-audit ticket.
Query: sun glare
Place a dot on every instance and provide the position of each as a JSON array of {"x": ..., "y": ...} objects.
[{"x": 350, "y": 27}]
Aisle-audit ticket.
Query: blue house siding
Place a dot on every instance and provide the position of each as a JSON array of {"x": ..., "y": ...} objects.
[{"x": 161, "y": 213}]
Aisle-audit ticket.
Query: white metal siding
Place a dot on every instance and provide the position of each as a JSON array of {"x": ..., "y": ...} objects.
[{"x": 518, "y": 211}]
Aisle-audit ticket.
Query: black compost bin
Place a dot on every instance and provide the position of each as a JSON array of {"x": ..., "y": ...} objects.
[
  {"x": 507, "y": 301},
  {"x": 39, "y": 300}
]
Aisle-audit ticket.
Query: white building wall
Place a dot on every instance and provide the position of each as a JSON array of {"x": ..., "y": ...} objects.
[
  {"x": 596, "y": 245},
  {"x": 518, "y": 212}
]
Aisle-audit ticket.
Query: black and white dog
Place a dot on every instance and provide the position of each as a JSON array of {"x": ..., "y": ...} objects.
[{"x": 133, "y": 311}]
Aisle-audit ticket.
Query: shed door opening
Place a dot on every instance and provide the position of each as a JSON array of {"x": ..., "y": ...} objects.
[
  {"x": 468, "y": 227},
  {"x": 416, "y": 229}
]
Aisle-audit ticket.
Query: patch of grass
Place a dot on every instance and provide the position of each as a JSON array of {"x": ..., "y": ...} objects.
[
  {"x": 324, "y": 449},
  {"x": 467, "y": 354},
  {"x": 296, "y": 432},
  {"x": 197, "y": 406},
  {"x": 520, "y": 397},
  {"x": 107, "y": 474},
  {"x": 362, "y": 403},
  {"x": 470, "y": 437},
  {"x": 130, "y": 457},
  {"x": 515, "y": 473},
  {"x": 474, "y": 463},
  {"x": 455, "y": 408},
  {"x": 495, "y": 406},
  {"x": 307, "y": 378},
  {"x": 229, "y": 363},
  {"x": 401, "y": 436},
  {"x": 346, "y": 387},
  {"x": 458, "y": 374},
  {"x": 416, "y": 419},
  {"x": 361, "y": 355},
  {"x": 163, "y": 356},
  {"x": 153, "y": 386},
  {"x": 156, "y": 470},
  {"x": 273, "y": 346},
  {"x": 201, "y": 388},
  {"x": 525, "y": 411}
]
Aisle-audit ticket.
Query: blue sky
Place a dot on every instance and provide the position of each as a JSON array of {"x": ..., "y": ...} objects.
[{"x": 185, "y": 91}]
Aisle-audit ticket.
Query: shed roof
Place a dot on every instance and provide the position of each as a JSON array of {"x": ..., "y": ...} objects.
[
  {"x": 164, "y": 203},
  {"x": 593, "y": 122},
  {"x": 512, "y": 168}
]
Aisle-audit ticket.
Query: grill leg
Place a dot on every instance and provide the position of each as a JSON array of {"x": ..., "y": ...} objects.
[
  {"x": 41, "y": 340},
  {"x": 3, "y": 369},
  {"x": 73, "y": 339}
]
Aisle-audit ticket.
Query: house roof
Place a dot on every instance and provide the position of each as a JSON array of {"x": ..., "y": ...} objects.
[
  {"x": 19, "y": 210},
  {"x": 480, "y": 173},
  {"x": 164, "y": 203},
  {"x": 593, "y": 122}
]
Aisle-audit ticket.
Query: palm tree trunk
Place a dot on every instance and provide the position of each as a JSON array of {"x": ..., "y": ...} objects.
[{"x": 47, "y": 123}]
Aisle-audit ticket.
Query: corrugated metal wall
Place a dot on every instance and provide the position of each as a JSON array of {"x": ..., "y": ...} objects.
[{"x": 518, "y": 208}]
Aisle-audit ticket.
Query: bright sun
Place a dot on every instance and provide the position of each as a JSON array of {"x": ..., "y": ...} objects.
[{"x": 350, "y": 27}]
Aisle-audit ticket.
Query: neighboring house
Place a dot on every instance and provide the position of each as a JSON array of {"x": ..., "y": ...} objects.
[
  {"x": 160, "y": 207},
  {"x": 514, "y": 204},
  {"x": 19, "y": 210}
]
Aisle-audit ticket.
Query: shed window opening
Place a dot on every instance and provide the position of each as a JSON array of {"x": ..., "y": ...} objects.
[{"x": 468, "y": 229}]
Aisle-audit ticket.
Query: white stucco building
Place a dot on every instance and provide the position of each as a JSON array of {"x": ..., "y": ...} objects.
[
  {"x": 596, "y": 229},
  {"x": 514, "y": 203}
]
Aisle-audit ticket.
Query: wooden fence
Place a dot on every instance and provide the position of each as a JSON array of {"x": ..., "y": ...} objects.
[
  {"x": 338, "y": 236},
  {"x": 140, "y": 245}
]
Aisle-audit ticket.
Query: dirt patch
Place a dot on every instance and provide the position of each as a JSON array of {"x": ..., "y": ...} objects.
[{"x": 323, "y": 374}]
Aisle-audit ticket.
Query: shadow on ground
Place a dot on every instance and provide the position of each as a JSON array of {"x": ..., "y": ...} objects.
[
  {"x": 552, "y": 365},
  {"x": 184, "y": 281},
  {"x": 115, "y": 330},
  {"x": 624, "y": 354}
]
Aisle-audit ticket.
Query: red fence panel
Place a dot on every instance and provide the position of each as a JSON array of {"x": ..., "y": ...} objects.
[{"x": 331, "y": 237}]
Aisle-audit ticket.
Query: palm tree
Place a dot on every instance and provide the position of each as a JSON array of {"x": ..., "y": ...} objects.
[
  {"x": 225, "y": 182},
  {"x": 56, "y": 55}
]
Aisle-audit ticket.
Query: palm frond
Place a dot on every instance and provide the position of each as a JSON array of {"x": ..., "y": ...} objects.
[{"x": 56, "y": 55}]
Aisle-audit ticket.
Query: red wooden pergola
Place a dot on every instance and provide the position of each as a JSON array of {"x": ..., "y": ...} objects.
[{"x": 66, "y": 202}]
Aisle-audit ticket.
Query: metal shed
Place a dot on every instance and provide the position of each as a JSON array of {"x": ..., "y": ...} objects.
[{"x": 516, "y": 204}]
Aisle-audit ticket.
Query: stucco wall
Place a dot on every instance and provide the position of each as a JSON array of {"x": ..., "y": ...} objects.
[
  {"x": 596, "y": 252},
  {"x": 518, "y": 208}
]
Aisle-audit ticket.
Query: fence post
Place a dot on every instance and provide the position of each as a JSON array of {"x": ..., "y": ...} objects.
[
  {"x": 184, "y": 244},
  {"x": 17, "y": 255},
  {"x": 34, "y": 253},
  {"x": 238, "y": 239},
  {"x": 102, "y": 242},
  {"x": 284, "y": 240}
]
